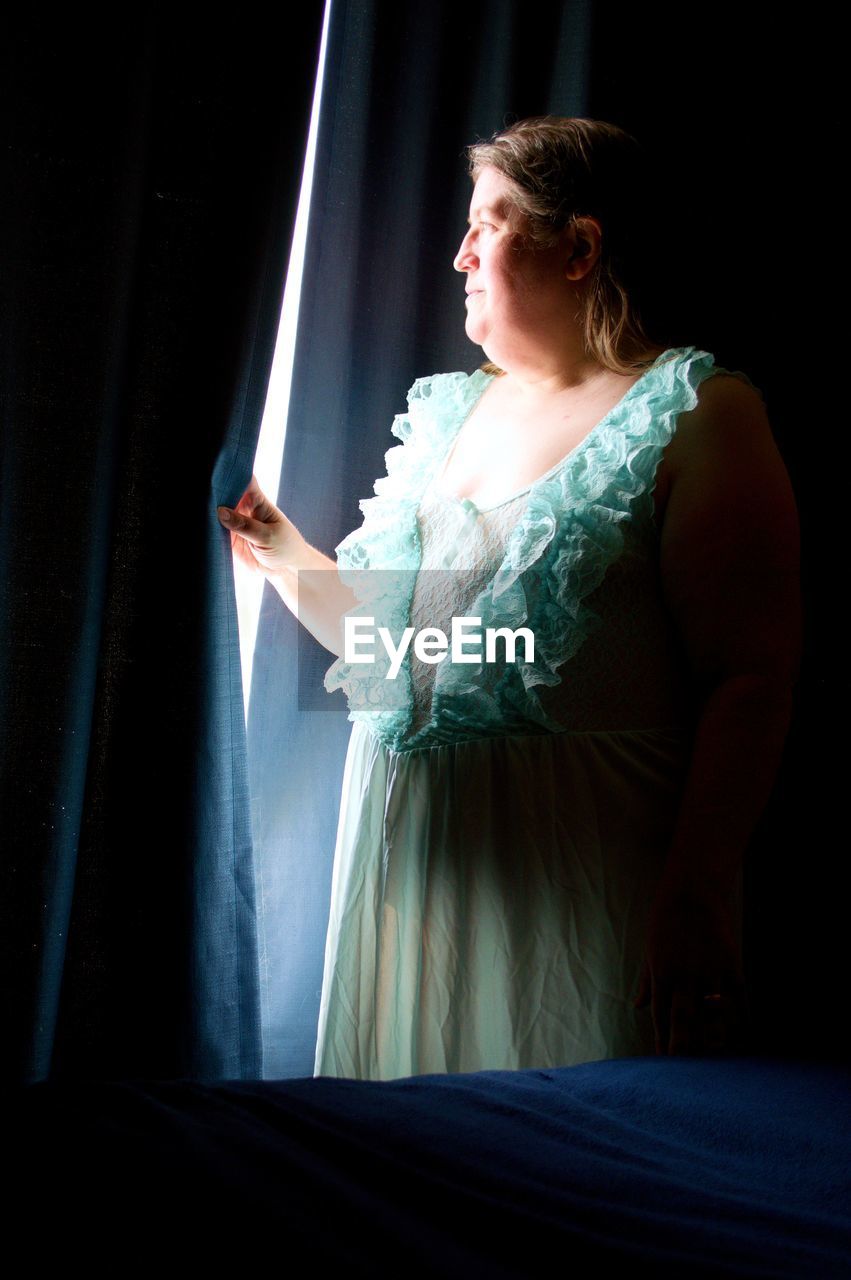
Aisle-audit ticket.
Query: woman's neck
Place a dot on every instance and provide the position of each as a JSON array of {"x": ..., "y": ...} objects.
[{"x": 543, "y": 375}]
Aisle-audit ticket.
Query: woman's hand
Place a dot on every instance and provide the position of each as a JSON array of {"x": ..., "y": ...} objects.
[
  {"x": 692, "y": 976},
  {"x": 261, "y": 536},
  {"x": 307, "y": 581}
]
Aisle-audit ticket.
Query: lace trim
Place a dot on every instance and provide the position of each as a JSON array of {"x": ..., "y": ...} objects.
[
  {"x": 543, "y": 579},
  {"x": 379, "y": 560}
]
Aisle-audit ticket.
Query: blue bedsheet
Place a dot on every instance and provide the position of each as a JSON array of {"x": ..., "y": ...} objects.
[{"x": 656, "y": 1166}]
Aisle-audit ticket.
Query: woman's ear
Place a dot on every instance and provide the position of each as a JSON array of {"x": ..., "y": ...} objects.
[{"x": 584, "y": 238}]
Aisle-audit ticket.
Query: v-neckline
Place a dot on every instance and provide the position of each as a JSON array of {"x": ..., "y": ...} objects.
[{"x": 437, "y": 485}]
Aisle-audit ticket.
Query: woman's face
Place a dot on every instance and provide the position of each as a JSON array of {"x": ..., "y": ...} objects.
[{"x": 518, "y": 296}]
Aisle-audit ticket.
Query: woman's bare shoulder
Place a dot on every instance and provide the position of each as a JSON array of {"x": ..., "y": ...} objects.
[
  {"x": 730, "y": 414},
  {"x": 724, "y": 471},
  {"x": 727, "y": 431},
  {"x": 730, "y": 540}
]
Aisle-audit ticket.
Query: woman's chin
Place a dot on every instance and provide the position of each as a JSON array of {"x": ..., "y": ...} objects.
[
  {"x": 473, "y": 332},
  {"x": 478, "y": 336}
]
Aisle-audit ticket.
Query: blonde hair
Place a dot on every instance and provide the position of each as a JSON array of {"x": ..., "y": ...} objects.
[{"x": 562, "y": 168}]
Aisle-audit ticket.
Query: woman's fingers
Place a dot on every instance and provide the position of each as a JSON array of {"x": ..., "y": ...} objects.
[
  {"x": 696, "y": 974},
  {"x": 255, "y": 531},
  {"x": 714, "y": 1017},
  {"x": 252, "y": 510},
  {"x": 660, "y": 1004},
  {"x": 255, "y": 503},
  {"x": 261, "y": 535},
  {"x": 251, "y": 514},
  {"x": 703, "y": 1018},
  {"x": 682, "y": 1035}
]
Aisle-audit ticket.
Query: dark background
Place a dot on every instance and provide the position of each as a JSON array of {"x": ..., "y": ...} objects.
[{"x": 737, "y": 95}]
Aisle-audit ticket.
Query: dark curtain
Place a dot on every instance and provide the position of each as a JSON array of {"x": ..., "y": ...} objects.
[
  {"x": 152, "y": 157},
  {"x": 407, "y": 86}
]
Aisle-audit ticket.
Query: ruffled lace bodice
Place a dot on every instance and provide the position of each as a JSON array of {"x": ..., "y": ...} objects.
[{"x": 573, "y": 558}]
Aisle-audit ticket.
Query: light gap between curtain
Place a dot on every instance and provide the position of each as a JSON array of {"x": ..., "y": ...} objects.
[{"x": 270, "y": 445}]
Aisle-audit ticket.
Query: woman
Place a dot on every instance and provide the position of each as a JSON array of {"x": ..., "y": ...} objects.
[{"x": 538, "y": 861}]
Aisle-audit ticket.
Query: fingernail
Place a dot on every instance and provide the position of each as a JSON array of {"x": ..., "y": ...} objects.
[{"x": 224, "y": 514}]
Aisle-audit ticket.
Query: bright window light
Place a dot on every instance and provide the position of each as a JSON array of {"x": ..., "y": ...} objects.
[{"x": 270, "y": 445}]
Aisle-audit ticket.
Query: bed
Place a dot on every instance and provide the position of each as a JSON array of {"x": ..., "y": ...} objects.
[{"x": 650, "y": 1166}]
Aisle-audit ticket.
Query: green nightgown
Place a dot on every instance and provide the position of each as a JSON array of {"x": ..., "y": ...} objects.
[{"x": 503, "y": 824}]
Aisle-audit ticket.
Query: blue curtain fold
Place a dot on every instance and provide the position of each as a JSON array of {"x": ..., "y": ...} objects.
[{"x": 152, "y": 159}]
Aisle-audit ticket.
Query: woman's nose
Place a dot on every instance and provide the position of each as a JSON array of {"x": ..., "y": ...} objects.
[{"x": 465, "y": 257}]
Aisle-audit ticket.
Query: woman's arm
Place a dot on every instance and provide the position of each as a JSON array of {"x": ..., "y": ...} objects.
[
  {"x": 307, "y": 581},
  {"x": 730, "y": 573}
]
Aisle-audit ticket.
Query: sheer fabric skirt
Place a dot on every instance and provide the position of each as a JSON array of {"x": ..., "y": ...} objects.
[{"x": 490, "y": 901}]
